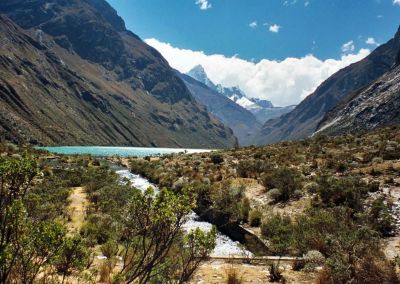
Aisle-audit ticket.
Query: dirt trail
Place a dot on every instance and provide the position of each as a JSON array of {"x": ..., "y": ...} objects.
[{"x": 77, "y": 209}]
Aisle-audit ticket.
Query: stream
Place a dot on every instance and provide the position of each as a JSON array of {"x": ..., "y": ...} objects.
[{"x": 225, "y": 246}]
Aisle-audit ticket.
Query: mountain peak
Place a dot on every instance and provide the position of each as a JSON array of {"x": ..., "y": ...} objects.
[{"x": 198, "y": 73}]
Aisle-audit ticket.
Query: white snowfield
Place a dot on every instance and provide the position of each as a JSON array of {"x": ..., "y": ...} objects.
[
  {"x": 246, "y": 103},
  {"x": 225, "y": 246}
]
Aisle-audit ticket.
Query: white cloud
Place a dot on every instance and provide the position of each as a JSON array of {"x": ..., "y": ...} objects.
[
  {"x": 203, "y": 4},
  {"x": 253, "y": 25},
  {"x": 289, "y": 3},
  {"x": 306, "y": 4},
  {"x": 348, "y": 47},
  {"x": 274, "y": 28},
  {"x": 284, "y": 82},
  {"x": 372, "y": 41},
  {"x": 396, "y": 2}
]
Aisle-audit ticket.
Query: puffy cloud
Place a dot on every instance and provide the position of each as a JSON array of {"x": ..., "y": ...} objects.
[
  {"x": 274, "y": 28},
  {"x": 372, "y": 41},
  {"x": 284, "y": 82},
  {"x": 348, "y": 47},
  {"x": 203, "y": 4},
  {"x": 253, "y": 25},
  {"x": 396, "y": 2}
]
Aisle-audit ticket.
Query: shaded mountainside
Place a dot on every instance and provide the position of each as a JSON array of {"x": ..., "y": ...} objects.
[
  {"x": 241, "y": 121},
  {"x": 304, "y": 119},
  {"x": 74, "y": 75},
  {"x": 377, "y": 105}
]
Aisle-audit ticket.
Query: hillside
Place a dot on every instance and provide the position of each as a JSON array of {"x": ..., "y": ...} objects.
[
  {"x": 240, "y": 120},
  {"x": 304, "y": 119},
  {"x": 375, "y": 106},
  {"x": 71, "y": 74},
  {"x": 322, "y": 198}
]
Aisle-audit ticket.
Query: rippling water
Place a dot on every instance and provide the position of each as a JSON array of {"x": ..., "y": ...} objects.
[
  {"x": 225, "y": 246},
  {"x": 118, "y": 151}
]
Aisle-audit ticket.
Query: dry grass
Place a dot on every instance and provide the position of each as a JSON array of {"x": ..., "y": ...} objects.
[
  {"x": 233, "y": 275},
  {"x": 216, "y": 273}
]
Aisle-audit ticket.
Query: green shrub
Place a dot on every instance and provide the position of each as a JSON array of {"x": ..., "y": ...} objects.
[
  {"x": 347, "y": 191},
  {"x": 313, "y": 259},
  {"x": 245, "y": 209},
  {"x": 287, "y": 180},
  {"x": 217, "y": 158},
  {"x": 275, "y": 194},
  {"x": 380, "y": 218},
  {"x": 278, "y": 230},
  {"x": 109, "y": 249},
  {"x": 311, "y": 187},
  {"x": 255, "y": 218}
]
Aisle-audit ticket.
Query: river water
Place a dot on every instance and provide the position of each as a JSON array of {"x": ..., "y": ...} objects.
[{"x": 225, "y": 246}]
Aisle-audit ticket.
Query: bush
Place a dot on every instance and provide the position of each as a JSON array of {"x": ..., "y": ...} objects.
[
  {"x": 313, "y": 259},
  {"x": 217, "y": 159},
  {"x": 380, "y": 218},
  {"x": 347, "y": 191},
  {"x": 225, "y": 198},
  {"x": 275, "y": 194},
  {"x": 255, "y": 218},
  {"x": 297, "y": 194},
  {"x": 245, "y": 209},
  {"x": 109, "y": 249},
  {"x": 287, "y": 180},
  {"x": 278, "y": 230},
  {"x": 311, "y": 187}
]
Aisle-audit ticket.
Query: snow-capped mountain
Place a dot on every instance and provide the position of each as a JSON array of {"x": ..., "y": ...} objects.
[
  {"x": 263, "y": 110},
  {"x": 199, "y": 74},
  {"x": 239, "y": 97}
]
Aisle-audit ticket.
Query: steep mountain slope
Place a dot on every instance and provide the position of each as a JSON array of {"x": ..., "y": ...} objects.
[
  {"x": 240, "y": 120},
  {"x": 304, "y": 119},
  {"x": 75, "y": 75},
  {"x": 377, "y": 105}
]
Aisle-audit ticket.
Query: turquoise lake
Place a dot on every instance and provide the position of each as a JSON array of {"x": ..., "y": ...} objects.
[{"x": 119, "y": 151}]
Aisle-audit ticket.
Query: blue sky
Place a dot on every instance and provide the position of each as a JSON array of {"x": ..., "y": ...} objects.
[
  {"x": 319, "y": 27},
  {"x": 280, "y": 50}
]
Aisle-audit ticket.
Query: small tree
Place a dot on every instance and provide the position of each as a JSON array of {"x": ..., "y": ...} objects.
[
  {"x": 73, "y": 256},
  {"x": 151, "y": 228},
  {"x": 195, "y": 248},
  {"x": 16, "y": 176}
]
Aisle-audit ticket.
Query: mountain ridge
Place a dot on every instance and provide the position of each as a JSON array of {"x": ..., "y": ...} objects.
[
  {"x": 374, "y": 106},
  {"x": 240, "y": 120},
  {"x": 94, "y": 82},
  {"x": 304, "y": 119}
]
